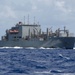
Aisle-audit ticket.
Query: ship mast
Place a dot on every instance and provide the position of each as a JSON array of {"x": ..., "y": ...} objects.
[
  {"x": 34, "y": 20},
  {"x": 28, "y": 19},
  {"x": 24, "y": 19}
]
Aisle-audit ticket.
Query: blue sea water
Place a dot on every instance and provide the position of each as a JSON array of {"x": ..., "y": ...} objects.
[{"x": 29, "y": 61}]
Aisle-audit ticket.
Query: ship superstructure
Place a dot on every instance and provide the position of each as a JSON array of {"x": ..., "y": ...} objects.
[
  {"x": 26, "y": 35},
  {"x": 22, "y": 31}
]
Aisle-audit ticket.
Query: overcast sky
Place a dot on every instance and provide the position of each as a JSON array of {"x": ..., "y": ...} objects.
[{"x": 49, "y": 13}]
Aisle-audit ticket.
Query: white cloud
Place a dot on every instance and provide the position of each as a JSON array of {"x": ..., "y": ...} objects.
[
  {"x": 46, "y": 2},
  {"x": 61, "y": 5},
  {"x": 34, "y": 7},
  {"x": 7, "y": 12}
]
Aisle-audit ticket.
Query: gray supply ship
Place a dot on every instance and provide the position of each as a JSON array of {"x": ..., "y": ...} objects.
[{"x": 26, "y": 35}]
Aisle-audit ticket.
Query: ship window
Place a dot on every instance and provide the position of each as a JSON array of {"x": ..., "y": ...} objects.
[
  {"x": 14, "y": 36},
  {"x": 19, "y": 36}
]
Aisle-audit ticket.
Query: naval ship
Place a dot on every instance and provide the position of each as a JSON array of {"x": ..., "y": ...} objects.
[{"x": 31, "y": 35}]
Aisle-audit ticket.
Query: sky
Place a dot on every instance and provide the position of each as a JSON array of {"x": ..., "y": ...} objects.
[{"x": 48, "y": 13}]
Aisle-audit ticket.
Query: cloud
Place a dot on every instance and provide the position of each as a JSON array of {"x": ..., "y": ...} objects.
[
  {"x": 61, "y": 5},
  {"x": 34, "y": 7},
  {"x": 46, "y": 2},
  {"x": 7, "y": 12}
]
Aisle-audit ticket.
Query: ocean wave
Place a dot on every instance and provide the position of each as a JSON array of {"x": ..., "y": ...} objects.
[
  {"x": 30, "y": 48},
  {"x": 47, "y": 48},
  {"x": 5, "y": 47},
  {"x": 73, "y": 47},
  {"x": 43, "y": 72},
  {"x": 37, "y": 62},
  {"x": 16, "y": 47},
  {"x": 61, "y": 56},
  {"x": 56, "y": 71}
]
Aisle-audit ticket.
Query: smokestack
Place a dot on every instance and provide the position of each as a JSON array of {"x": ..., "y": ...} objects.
[{"x": 47, "y": 31}]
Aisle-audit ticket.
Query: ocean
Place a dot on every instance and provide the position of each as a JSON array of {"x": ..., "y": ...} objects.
[{"x": 31, "y": 61}]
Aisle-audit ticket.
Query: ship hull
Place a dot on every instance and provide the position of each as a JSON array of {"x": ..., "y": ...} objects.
[{"x": 52, "y": 42}]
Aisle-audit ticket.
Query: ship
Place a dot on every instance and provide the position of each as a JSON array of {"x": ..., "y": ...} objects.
[{"x": 31, "y": 35}]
